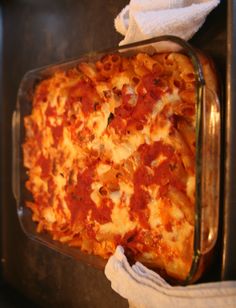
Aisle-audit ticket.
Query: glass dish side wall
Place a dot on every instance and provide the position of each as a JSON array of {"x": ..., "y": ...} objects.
[{"x": 206, "y": 209}]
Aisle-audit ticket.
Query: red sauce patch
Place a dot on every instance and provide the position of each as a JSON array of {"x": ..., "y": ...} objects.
[
  {"x": 78, "y": 196},
  {"x": 119, "y": 124},
  {"x": 138, "y": 205},
  {"x": 45, "y": 165},
  {"x": 90, "y": 230},
  {"x": 103, "y": 213},
  {"x": 164, "y": 175},
  {"x": 84, "y": 92},
  {"x": 37, "y": 132},
  {"x": 142, "y": 176},
  {"x": 57, "y": 132},
  {"x": 136, "y": 114},
  {"x": 42, "y": 92},
  {"x": 169, "y": 171},
  {"x": 151, "y": 152},
  {"x": 80, "y": 203},
  {"x": 41, "y": 200},
  {"x": 51, "y": 111},
  {"x": 143, "y": 107},
  {"x": 73, "y": 130},
  {"x": 152, "y": 84}
]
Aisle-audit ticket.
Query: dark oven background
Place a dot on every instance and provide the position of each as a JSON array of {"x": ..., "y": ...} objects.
[{"x": 37, "y": 33}]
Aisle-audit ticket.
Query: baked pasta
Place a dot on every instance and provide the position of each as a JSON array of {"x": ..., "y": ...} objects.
[{"x": 110, "y": 155}]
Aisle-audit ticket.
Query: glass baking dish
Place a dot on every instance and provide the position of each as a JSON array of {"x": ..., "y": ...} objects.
[{"x": 207, "y": 154}]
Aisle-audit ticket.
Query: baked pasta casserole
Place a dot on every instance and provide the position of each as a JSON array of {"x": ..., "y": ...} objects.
[{"x": 110, "y": 156}]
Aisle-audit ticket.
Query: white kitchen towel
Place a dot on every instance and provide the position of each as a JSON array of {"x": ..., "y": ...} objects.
[
  {"x": 144, "y": 288},
  {"x": 144, "y": 19}
]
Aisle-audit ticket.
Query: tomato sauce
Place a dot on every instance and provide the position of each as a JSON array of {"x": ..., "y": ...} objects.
[
  {"x": 138, "y": 205},
  {"x": 166, "y": 172},
  {"x": 45, "y": 165},
  {"x": 73, "y": 130},
  {"x": 119, "y": 124},
  {"x": 90, "y": 230},
  {"x": 143, "y": 107},
  {"x": 57, "y": 132},
  {"x": 80, "y": 203},
  {"x": 103, "y": 213},
  {"x": 164, "y": 175},
  {"x": 148, "y": 93},
  {"x": 37, "y": 132},
  {"x": 51, "y": 111},
  {"x": 151, "y": 152},
  {"x": 78, "y": 196},
  {"x": 42, "y": 92},
  {"x": 86, "y": 94},
  {"x": 41, "y": 200}
]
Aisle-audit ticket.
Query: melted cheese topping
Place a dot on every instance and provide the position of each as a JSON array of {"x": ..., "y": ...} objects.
[{"x": 111, "y": 158}]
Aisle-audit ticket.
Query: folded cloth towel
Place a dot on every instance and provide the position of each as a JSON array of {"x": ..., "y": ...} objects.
[
  {"x": 146, "y": 289},
  {"x": 144, "y": 19}
]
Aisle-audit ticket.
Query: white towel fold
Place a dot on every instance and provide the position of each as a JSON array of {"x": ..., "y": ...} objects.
[
  {"x": 144, "y": 288},
  {"x": 144, "y": 19}
]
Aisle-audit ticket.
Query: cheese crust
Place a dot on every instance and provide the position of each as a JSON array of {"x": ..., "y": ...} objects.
[{"x": 110, "y": 155}]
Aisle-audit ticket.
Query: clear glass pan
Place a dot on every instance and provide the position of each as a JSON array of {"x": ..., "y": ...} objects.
[{"x": 207, "y": 153}]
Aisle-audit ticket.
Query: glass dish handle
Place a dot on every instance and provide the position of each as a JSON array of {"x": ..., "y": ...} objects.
[
  {"x": 15, "y": 154},
  {"x": 210, "y": 181}
]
